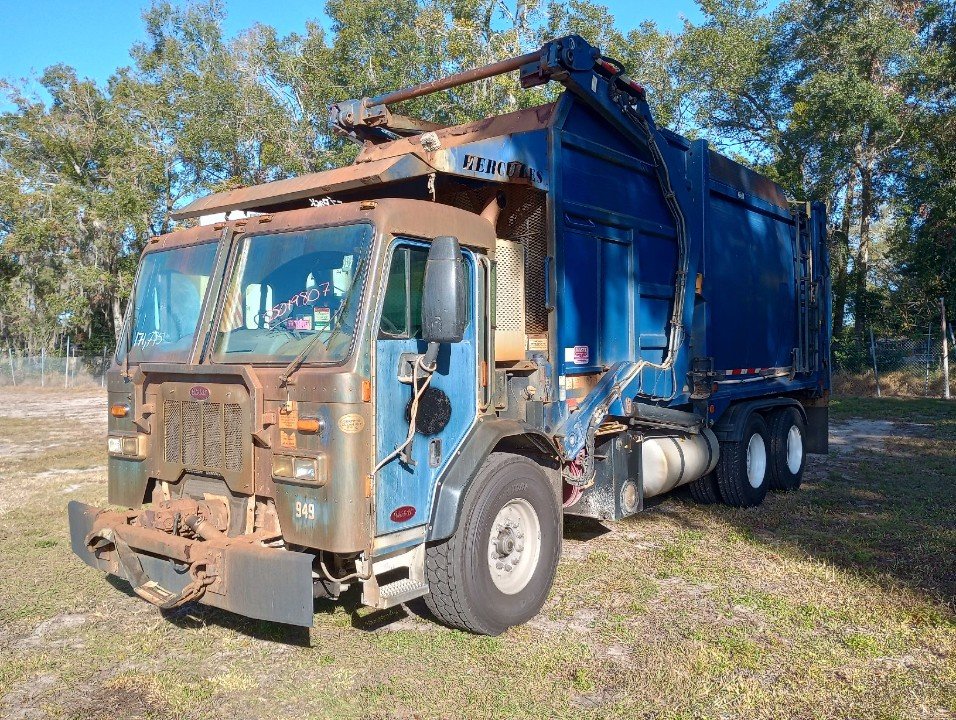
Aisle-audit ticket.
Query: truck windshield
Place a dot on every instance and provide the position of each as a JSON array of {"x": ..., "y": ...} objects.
[
  {"x": 169, "y": 291},
  {"x": 288, "y": 288}
]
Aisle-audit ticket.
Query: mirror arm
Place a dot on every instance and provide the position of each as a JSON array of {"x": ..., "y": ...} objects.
[{"x": 431, "y": 355}]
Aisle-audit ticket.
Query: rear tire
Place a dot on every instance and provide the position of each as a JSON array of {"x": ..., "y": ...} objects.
[
  {"x": 704, "y": 490},
  {"x": 788, "y": 455},
  {"x": 510, "y": 519},
  {"x": 742, "y": 473}
]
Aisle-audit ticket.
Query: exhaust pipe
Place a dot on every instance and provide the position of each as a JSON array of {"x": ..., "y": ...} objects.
[{"x": 493, "y": 209}]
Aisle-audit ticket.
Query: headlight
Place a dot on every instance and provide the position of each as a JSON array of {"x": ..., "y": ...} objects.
[
  {"x": 305, "y": 469},
  {"x": 125, "y": 446},
  {"x": 282, "y": 466},
  {"x": 310, "y": 470}
]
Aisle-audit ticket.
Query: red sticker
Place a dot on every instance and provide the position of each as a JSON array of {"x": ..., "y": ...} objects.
[
  {"x": 199, "y": 392},
  {"x": 402, "y": 514}
]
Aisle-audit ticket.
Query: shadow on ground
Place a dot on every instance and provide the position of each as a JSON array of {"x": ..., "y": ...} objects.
[{"x": 882, "y": 508}]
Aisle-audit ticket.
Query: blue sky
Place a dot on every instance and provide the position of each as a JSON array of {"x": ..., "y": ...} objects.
[{"x": 94, "y": 36}]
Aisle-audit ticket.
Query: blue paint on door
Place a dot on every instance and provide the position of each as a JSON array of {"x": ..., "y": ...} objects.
[{"x": 398, "y": 484}]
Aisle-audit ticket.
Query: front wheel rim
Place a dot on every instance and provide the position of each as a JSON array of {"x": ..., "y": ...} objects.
[
  {"x": 514, "y": 546},
  {"x": 756, "y": 460},
  {"x": 794, "y": 450}
]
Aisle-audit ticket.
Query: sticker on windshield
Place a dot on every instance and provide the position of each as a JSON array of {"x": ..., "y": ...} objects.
[
  {"x": 322, "y": 315},
  {"x": 299, "y": 323}
]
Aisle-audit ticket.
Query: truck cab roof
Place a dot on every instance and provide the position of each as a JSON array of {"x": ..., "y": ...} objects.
[{"x": 398, "y": 216}]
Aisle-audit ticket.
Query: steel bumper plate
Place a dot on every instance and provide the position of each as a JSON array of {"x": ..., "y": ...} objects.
[{"x": 257, "y": 582}]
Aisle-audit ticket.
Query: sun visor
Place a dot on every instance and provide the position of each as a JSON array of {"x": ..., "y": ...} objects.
[{"x": 305, "y": 187}]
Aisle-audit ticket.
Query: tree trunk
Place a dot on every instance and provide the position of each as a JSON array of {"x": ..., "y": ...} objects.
[
  {"x": 862, "y": 265},
  {"x": 840, "y": 256}
]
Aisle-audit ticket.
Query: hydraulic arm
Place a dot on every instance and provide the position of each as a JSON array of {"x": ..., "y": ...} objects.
[
  {"x": 571, "y": 61},
  {"x": 602, "y": 84}
]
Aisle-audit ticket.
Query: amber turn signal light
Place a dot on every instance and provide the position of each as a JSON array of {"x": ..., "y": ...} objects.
[
  {"x": 308, "y": 425},
  {"x": 119, "y": 411}
]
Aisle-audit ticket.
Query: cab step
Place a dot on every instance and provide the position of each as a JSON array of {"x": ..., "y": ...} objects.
[{"x": 400, "y": 591}]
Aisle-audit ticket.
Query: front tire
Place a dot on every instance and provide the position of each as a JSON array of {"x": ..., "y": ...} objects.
[
  {"x": 497, "y": 569},
  {"x": 788, "y": 455},
  {"x": 742, "y": 469}
]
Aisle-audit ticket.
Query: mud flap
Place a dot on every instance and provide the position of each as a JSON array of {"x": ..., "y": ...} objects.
[{"x": 254, "y": 581}]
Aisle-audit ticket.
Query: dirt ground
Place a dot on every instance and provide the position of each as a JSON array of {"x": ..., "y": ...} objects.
[{"x": 836, "y": 601}]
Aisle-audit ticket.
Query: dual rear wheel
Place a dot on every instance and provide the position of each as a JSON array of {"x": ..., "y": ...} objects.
[{"x": 771, "y": 455}]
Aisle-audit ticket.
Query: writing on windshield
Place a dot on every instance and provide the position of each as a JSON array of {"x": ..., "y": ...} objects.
[
  {"x": 167, "y": 299},
  {"x": 288, "y": 288}
]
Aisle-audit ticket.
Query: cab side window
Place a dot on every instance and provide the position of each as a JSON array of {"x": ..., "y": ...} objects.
[{"x": 402, "y": 306}]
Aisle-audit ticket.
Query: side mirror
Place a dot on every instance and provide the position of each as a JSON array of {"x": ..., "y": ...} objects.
[{"x": 443, "y": 296}]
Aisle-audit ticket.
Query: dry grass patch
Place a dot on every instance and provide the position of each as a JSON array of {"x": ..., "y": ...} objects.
[{"x": 831, "y": 602}]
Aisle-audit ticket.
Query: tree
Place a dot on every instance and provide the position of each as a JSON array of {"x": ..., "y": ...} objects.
[{"x": 855, "y": 60}]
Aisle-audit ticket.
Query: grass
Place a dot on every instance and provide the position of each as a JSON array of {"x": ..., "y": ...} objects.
[{"x": 832, "y": 602}]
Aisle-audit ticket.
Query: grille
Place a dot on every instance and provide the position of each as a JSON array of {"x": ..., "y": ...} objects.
[
  {"x": 203, "y": 434},
  {"x": 233, "y": 424},
  {"x": 173, "y": 431},
  {"x": 509, "y": 304}
]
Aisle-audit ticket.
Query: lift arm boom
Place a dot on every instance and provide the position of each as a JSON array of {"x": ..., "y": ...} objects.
[{"x": 570, "y": 60}]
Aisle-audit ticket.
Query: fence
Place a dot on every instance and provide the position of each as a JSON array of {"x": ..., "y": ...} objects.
[
  {"x": 53, "y": 371},
  {"x": 891, "y": 366},
  {"x": 881, "y": 366}
]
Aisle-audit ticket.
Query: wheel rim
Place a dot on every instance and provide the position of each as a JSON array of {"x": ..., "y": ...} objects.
[
  {"x": 756, "y": 460},
  {"x": 794, "y": 450},
  {"x": 514, "y": 546}
]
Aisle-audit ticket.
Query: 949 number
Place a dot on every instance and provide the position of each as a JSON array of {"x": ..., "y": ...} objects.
[{"x": 305, "y": 510}]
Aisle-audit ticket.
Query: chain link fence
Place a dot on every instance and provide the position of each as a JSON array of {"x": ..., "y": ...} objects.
[
  {"x": 869, "y": 366},
  {"x": 53, "y": 371},
  {"x": 874, "y": 366}
]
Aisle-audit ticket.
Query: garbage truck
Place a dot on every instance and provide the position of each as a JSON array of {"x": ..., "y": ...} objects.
[{"x": 396, "y": 378}]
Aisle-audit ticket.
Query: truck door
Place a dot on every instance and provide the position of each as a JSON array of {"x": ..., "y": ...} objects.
[{"x": 403, "y": 492}]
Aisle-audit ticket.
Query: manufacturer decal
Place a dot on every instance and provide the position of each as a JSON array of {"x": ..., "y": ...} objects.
[
  {"x": 199, "y": 392},
  {"x": 402, "y": 514},
  {"x": 579, "y": 355},
  {"x": 351, "y": 424},
  {"x": 501, "y": 168}
]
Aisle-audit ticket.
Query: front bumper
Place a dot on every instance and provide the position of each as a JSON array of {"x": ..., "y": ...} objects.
[{"x": 233, "y": 573}]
